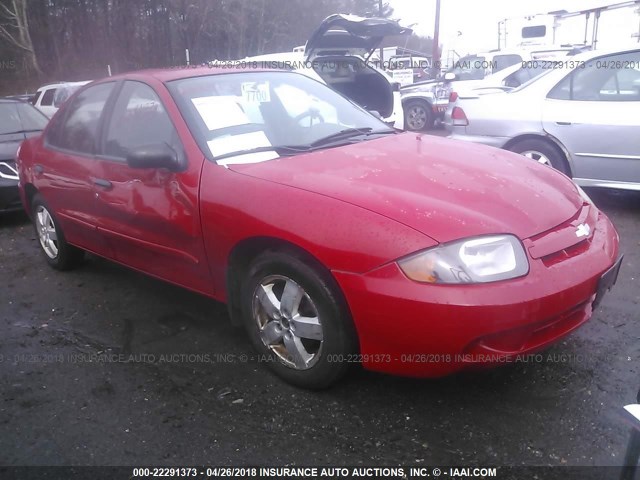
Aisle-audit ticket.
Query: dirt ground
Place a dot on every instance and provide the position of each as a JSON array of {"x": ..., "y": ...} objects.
[{"x": 105, "y": 366}]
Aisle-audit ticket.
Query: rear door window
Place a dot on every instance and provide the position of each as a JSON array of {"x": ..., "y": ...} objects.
[
  {"x": 614, "y": 78},
  {"x": 78, "y": 130}
]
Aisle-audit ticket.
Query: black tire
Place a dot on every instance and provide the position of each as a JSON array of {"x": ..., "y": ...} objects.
[
  {"x": 418, "y": 116},
  {"x": 331, "y": 358},
  {"x": 551, "y": 152},
  {"x": 65, "y": 256}
]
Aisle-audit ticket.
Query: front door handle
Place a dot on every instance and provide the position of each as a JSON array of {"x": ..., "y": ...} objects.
[
  {"x": 102, "y": 183},
  {"x": 563, "y": 123}
]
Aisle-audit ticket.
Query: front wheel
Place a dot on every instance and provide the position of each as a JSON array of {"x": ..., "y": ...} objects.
[
  {"x": 58, "y": 253},
  {"x": 543, "y": 153},
  {"x": 418, "y": 116},
  {"x": 296, "y": 321}
]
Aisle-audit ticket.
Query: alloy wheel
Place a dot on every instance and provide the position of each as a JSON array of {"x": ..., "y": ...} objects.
[
  {"x": 47, "y": 232},
  {"x": 538, "y": 157},
  {"x": 416, "y": 117},
  {"x": 288, "y": 322}
]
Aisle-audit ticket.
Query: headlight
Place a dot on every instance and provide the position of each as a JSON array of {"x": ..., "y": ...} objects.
[{"x": 476, "y": 260}]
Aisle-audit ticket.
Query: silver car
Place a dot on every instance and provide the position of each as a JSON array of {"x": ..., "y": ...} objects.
[{"x": 581, "y": 117}]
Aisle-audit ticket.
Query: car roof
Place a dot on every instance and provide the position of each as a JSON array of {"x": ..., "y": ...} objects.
[
  {"x": 63, "y": 84},
  {"x": 177, "y": 73},
  {"x": 281, "y": 56},
  {"x": 10, "y": 100},
  {"x": 588, "y": 55}
]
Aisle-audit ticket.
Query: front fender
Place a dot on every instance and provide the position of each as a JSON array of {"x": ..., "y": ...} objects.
[{"x": 342, "y": 236}]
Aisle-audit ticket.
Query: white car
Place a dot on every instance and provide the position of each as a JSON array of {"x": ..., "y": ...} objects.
[
  {"x": 337, "y": 54},
  {"x": 49, "y": 98},
  {"x": 503, "y": 80},
  {"x": 580, "y": 117},
  {"x": 426, "y": 102}
]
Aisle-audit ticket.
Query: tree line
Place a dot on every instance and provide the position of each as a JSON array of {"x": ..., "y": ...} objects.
[{"x": 51, "y": 40}]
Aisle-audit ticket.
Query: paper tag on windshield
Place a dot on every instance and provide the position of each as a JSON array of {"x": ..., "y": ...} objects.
[
  {"x": 237, "y": 143},
  {"x": 256, "y": 92},
  {"x": 220, "y": 112}
]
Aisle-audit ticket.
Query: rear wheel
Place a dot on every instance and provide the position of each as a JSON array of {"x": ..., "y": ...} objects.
[
  {"x": 296, "y": 321},
  {"x": 418, "y": 115},
  {"x": 58, "y": 253},
  {"x": 543, "y": 153}
]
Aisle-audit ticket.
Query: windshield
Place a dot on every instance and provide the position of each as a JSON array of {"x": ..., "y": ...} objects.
[
  {"x": 544, "y": 73},
  {"x": 281, "y": 112},
  {"x": 471, "y": 67},
  {"x": 20, "y": 117}
]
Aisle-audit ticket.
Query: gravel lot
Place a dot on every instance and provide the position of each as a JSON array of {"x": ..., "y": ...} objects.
[{"x": 166, "y": 406}]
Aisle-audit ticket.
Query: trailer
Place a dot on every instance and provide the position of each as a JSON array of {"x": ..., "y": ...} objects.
[{"x": 606, "y": 26}]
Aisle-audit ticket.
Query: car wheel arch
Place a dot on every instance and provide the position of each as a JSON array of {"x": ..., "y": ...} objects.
[
  {"x": 30, "y": 191},
  {"x": 407, "y": 100},
  {"x": 428, "y": 106},
  {"x": 247, "y": 250},
  {"x": 549, "y": 140}
]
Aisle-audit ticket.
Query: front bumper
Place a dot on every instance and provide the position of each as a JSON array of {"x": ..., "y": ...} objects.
[
  {"x": 440, "y": 108},
  {"x": 457, "y": 133},
  {"x": 414, "y": 329},
  {"x": 9, "y": 196}
]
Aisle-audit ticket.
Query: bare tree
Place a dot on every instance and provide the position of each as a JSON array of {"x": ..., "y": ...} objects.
[{"x": 14, "y": 27}]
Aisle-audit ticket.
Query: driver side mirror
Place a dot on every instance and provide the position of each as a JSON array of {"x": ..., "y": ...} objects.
[
  {"x": 449, "y": 76},
  {"x": 158, "y": 155}
]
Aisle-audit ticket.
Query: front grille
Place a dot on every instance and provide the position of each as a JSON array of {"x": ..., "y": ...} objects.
[
  {"x": 573, "y": 251},
  {"x": 8, "y": 170},
  {"x": 566, "y": 240}
]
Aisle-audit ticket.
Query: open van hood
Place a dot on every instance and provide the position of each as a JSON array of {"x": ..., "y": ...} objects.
[{"x": 342, "y": 34}]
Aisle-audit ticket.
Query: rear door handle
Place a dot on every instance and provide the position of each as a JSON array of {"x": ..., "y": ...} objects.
[
  {"x": 563, "y": 123},
  {"x": 102, "y": 183}
]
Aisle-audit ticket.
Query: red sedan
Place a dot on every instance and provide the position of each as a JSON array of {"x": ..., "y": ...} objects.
[{"x": 333, "y": 239}]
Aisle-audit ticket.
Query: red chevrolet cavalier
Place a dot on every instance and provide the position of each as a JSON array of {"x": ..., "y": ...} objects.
[{"x": 333, "y": 238}]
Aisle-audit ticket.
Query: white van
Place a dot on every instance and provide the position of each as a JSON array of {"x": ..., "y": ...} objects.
[{"x": 49, "y": 98}]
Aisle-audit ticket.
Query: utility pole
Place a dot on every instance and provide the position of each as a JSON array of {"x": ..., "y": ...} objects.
[
  {"x": 435, "y": 51},
  {"x": 380, "y": 8}
]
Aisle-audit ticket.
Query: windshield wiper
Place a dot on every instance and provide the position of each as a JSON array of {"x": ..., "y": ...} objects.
[
  {"x": 348, "y": 133},
  {"x": 291, "y": 150}
]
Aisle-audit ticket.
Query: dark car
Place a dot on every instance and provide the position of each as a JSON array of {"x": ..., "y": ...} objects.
[
  {"x": 26, "y": 97},
  {"x": 18, "y": 121}
]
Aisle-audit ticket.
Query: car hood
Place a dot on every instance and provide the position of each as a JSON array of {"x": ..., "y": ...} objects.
[
  {"x": 420, "y": 87},
  {"x": 9, "y": 146},
  {"x": 442, "y": 188},
  {"x": 351, "y": 35}
]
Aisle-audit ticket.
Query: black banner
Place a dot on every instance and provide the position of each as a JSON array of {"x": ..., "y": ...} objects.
[{"x": 322, "y": 472}]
